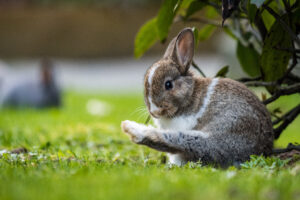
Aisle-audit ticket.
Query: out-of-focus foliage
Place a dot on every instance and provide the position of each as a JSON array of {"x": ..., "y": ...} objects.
[
  {"x": 266, "y": 34},
  {"x": 260, "y": 37}
]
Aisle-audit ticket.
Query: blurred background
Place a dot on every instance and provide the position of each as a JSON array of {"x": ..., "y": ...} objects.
[{"x": 90, "y": 43}]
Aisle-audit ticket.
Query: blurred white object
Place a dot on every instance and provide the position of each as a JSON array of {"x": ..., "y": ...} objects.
[{"x": 98, "y": 108}]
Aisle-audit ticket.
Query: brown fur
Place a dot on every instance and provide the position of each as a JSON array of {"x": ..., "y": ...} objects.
[{"x": 232, "y": 125}]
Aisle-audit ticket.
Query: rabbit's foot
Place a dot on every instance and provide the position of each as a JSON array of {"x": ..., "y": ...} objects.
[{"x": 137, "y": 132}]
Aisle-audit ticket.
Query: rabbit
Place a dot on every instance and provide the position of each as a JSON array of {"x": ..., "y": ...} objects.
[
  {"x": 32, "y": 93},
  {"x": 217, "y": 121}
]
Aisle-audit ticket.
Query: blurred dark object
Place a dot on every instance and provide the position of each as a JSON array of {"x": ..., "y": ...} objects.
[
  {"x": 228, "y": 6},
  {"x": 19, "y": 150},
  {"x": 39, "y": 93}
]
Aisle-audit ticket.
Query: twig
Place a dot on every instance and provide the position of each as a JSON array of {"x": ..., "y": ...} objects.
[
  {"x": 288, "y": 119},
  {"x": 206, "y": 21},
  {"x": 260, "y": 83},
  {"x": 246, "y": 79},
  {"x": 283, "y": 24},
  {"x": 283, "y": 91},
  {"x": 291, "y": 50},
  {"x": 293, "y": 77},
  {"x": 285, "y": 116},
  {"x": 289, "y": 148},
  {"x": 198, "y": 68},
  {"x": 294, "y": 64},
  {"x": 258, "y": 21}
]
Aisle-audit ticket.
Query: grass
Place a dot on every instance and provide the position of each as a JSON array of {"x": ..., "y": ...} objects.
[{"x": 74, "y": 154}]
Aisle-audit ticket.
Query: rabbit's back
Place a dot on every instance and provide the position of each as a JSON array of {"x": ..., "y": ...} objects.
[{"x": 235, "y": 112}]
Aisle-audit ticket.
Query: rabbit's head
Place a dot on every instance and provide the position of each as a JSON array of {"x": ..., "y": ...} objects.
[{"x": 168, "y": 83}]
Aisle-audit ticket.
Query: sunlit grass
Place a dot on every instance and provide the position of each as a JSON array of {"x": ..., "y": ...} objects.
[{"x": 78, "y": 154}]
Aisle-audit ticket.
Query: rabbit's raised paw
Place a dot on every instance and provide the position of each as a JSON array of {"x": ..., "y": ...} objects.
[{"x": 137, "y": 132}]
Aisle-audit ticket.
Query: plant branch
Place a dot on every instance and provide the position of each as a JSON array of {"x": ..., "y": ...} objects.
[
  {"x": 246, "y": 79},
  {"x": 289, "y": 148},
  {"x": 206, "y": 21},
  {"x": 293, "y": 89},
  {"x": 198, "y": 68},
  {"x": 291, "y": 50},
  {"x": 288, "y": 118},
  {"x": 288, "y": 71},
  {"x": 260, "y": 83},
  {"x": 285, "y": 116}
]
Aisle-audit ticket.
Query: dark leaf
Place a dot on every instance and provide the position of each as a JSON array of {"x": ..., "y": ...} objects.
[
  {"x": 145, "y": 38},
  {"x": 222, "y": 72},
  {"x": 228, "y": 6},
  {"x": 249, "y": 59},
  {"x": 252, "y": 12},
  {"x": 274, "y": 61},
  {"x": 165, "y": 17}
]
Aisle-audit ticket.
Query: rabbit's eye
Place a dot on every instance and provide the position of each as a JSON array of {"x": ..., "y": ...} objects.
[{"x": 168, "y": 85}]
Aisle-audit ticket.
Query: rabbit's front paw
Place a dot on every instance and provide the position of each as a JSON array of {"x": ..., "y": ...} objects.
[{"x": 137, "y": 132}]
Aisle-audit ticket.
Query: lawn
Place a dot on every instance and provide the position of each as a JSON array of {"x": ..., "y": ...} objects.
[{"x": 79, "y": 152}]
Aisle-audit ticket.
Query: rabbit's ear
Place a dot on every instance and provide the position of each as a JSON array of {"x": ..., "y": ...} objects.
[
  {"x": 181, "y": 49},
  {"x": 184, "y": 48},
  {"x": 170, "y": 50}
]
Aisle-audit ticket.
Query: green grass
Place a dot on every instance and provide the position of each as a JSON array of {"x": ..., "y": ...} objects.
[{"x": 76, "y": 155}]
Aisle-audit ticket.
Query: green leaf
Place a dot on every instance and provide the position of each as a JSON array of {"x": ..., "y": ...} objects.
[
  {"x": 165, "y": 17},
  {"x": 193, "y": 8},
  {"x": 274, "y": 61},
  {"x": 211, "y": 13},
  {"x": 249, "y": 59},
  {"x": 258, "y": 3},
  {"x": 205, "y": 32},
  {"x": 268, "y": 19},
  {"x": 252, "y": 12},
  {"x": 222, "y": 72},
  {"x": 196, "y": 33},
  {"x": 186, "y": 3},
  {"x": 145, "y": 38}
]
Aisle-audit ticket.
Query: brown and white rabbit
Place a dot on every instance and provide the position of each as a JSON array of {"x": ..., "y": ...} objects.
[{"x": 213, "y": 120}]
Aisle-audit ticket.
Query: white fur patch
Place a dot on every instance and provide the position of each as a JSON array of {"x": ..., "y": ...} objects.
[
  {"x": 153, "y": 107},
  {"x": 187, "y": 122},
  {"x": 151, "y": 73},
  {"x": 206, "y": 101},
  {"x": 135, "y": 130}
]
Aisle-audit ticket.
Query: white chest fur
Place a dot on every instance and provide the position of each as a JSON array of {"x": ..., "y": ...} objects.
[
  {"x": 180, "y": 123},
  {"x": 187, "y": 122}
]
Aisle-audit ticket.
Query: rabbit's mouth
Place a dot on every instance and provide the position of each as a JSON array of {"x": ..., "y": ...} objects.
[{"x": 164, "y": 112}]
